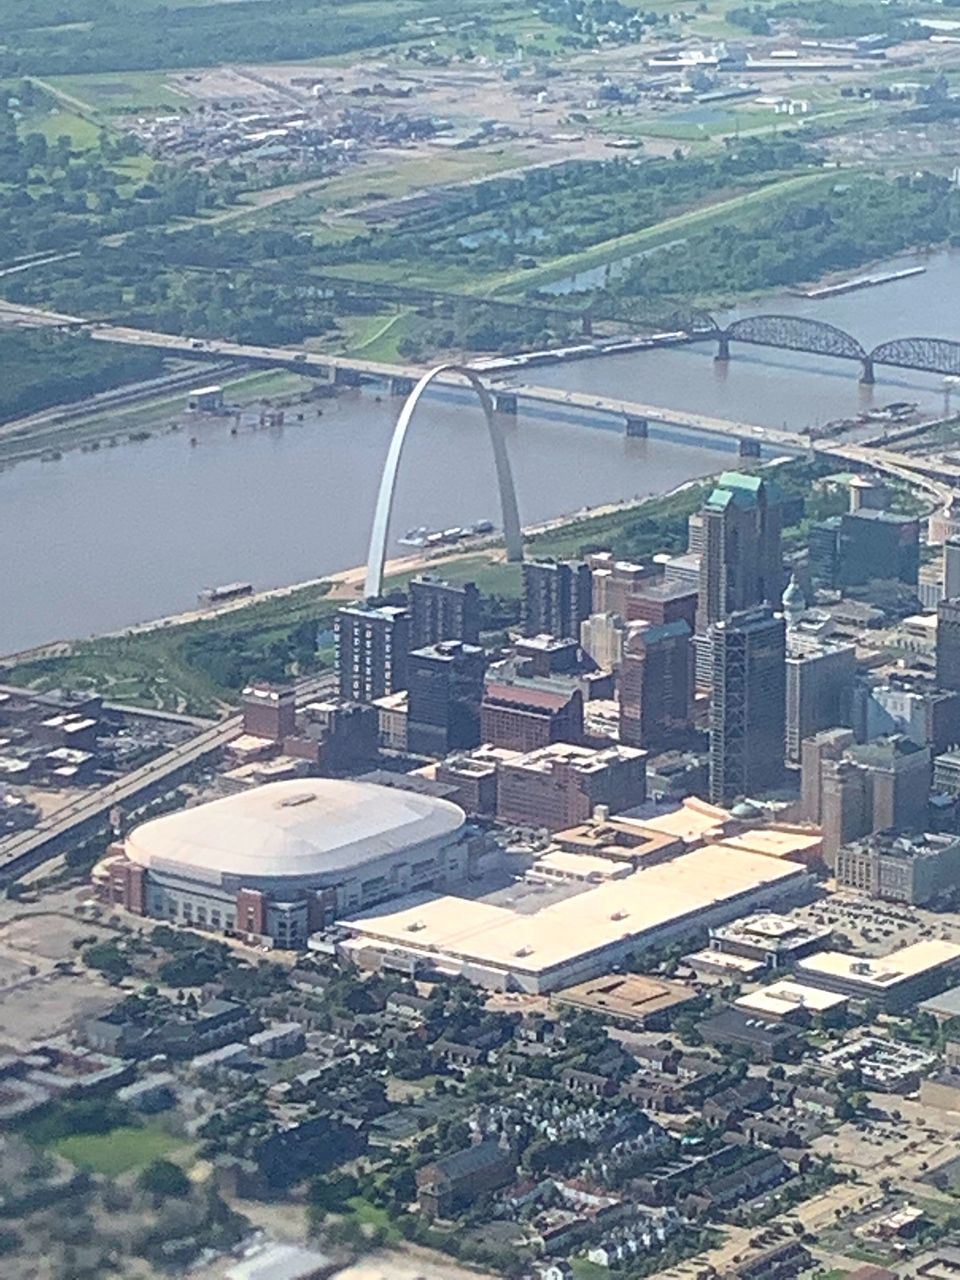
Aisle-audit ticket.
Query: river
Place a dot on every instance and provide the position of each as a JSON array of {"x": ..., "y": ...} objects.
[
  {"x": 98, "y": 541},
  {"x": 787, "y": 389}
]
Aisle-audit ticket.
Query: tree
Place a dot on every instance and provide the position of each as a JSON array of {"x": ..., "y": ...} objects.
[{"x": 165, "y": 1180}]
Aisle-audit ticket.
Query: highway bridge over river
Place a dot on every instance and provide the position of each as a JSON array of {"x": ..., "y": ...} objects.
[
  {"x": 88, "y": 814},
  {"x": 938, "y": 478}
]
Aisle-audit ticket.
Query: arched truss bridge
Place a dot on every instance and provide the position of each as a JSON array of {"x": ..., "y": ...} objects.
[{"x": 799, "y": 333}]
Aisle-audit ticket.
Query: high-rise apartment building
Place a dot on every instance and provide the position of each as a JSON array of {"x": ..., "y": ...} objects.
[
  {"x": 656, "y": 684},
  {"x": 441, "y": 610},
  {"x": 601, "y": 637},
  {"x": 445, "y": 684},
  {"x": 748, "y": 707},
  {"x": 948, "y": 644},
  {"x": 663, "y": 602},
  {"x": 819, "y": 686},
  {"x": 615, "y": 581},
  {"x": 371, "y": 646},
  {"x": 557, "y": 597}
]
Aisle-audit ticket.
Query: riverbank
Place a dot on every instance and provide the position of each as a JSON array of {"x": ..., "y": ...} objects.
[
  {"x": 197, "y": 662},
  {"x": 135, "y": 412}
]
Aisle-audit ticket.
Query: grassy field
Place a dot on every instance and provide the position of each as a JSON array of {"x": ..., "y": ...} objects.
[
  {"x": 375, "y": 337},
  {"x": 155, "y": 668},
  {"x": 61, "y": 122},
  {"x": 122, "y": 91},
  {"x": 370, "y": 1215},
  {"x": 121, "y": 1150},
  {"x": 584, "y": 1270}
]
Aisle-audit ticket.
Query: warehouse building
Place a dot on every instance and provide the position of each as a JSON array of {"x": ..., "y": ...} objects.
[{"x": 579, "y": 936}]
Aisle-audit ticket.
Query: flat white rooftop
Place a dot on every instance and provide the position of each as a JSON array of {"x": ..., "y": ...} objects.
[
  {"x": 579, "y": 866},
  {"x": 692, "y": 822},
  {"x": 778, "y": 844},
  {"x": 641, "y": 903},
  {"x": 782, "y": 998},
  {"x": 770, "y": 929},
  {"x": 739, "y": 966},
  {"x": 882, "y": 972}
]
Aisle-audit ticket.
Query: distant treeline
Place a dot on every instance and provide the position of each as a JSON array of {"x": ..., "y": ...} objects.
[
  {"x": 859, "y": 220},
  {"x": 50, "y": 37},
  {"x": 41, "y": 369}
]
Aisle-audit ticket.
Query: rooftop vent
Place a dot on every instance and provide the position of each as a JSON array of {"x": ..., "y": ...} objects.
[{"x": 290, "y": 802}]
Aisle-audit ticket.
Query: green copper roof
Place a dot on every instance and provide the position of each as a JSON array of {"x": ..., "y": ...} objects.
[{"x": 737, "y": 480}]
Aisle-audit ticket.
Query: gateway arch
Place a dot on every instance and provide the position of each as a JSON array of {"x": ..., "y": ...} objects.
[{"x": 388, "y": 482}]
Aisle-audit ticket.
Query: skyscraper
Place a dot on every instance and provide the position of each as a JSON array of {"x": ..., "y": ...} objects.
[
  {"x": 371, "y": 645},
  {"x": 854, "y": 789},
  {"x": 445, "y": 683},
  {"x": 878, "y": 544},
  {"x": 951, "y": 568},
  {"x": 557, "y": 597},
  {"x": 948, "y": 644},
  {"x": 829, "y": 744},
  {"x": 819, "y": 684},
  {"x": 748, "y": 707},
  {"x": 441, "y": 610},
  {"x": 656, "y": 683},
  {"x": 741, "y": 563},
  {"x": 824, "y": 551}
]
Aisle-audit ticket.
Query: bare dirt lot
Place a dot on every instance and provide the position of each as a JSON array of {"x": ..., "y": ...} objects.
[{"x": 38, "y": 1001}]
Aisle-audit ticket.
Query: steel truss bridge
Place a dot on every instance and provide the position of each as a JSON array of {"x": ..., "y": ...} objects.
[
  {"x": 786, "y": 332},
  {"x": 798, "y": 333}
]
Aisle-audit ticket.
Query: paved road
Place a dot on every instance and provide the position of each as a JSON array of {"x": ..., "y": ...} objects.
[
  {"x": 935, "y": 475},
  {"x": 27, "y": 847},
  {"x": 118, "y": 397},
  {"x": 327, "y": 365}
]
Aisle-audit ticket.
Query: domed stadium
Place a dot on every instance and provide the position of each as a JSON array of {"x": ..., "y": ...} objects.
[{"x": 281, "y": 860}]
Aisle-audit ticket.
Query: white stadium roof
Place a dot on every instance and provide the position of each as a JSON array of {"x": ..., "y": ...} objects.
[{"x": 308, "y": 827}]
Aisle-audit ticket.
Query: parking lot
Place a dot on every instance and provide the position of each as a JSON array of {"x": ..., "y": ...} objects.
[{"x": 877, "y": 928}]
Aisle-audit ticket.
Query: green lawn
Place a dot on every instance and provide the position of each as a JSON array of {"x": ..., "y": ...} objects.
[
  {"x": 371, "y": 1215},
  {"x": 584, "y": 1270},
  {"x": 83, "y": 134},
  {"x": 376, "y": 337},
  {"x": 122, "y": 91},
  {"x": 493, "y": 577},
  {"x": 121, "y": 1150}
]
